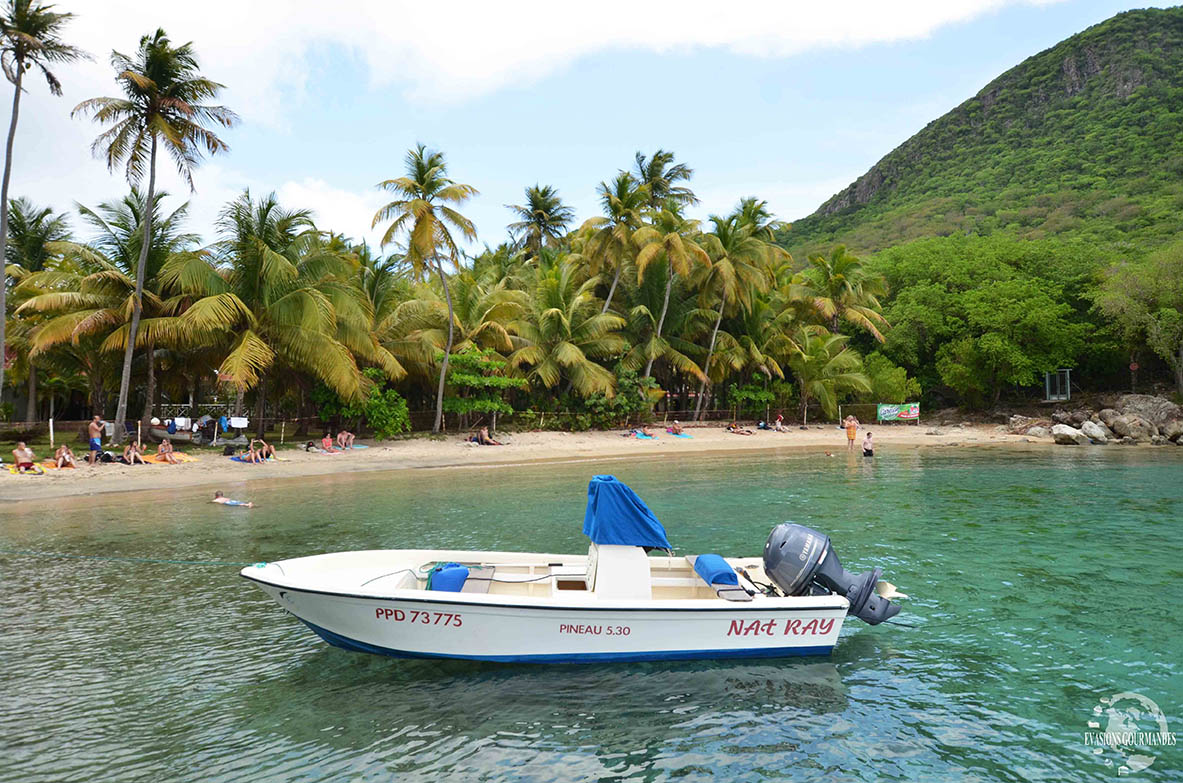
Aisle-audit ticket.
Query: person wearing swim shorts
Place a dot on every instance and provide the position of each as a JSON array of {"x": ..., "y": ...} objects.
[
  {"x": 225, "y": 501},
  {"x": 25, "y": 458},
  {"x": 868, "y": 446},
  {"x": 95, "y": 431}
]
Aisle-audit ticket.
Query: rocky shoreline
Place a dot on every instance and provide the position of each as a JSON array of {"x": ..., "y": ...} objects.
[{"x": 1132, "y": 419}]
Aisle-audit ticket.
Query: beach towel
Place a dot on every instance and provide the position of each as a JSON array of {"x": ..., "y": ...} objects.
[
  {"x": 646, "y": 437},
  {"x": 156, "y": 459},
  {"x": 37, "y": 470},
  {"x": 359, "y": 446},
  {"x": 683, "y": 435}
]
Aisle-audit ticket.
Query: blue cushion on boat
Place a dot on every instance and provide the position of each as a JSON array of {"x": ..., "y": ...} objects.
[
  {"x": 447, "y": 577},
  {"x": 715, "y": 571}
]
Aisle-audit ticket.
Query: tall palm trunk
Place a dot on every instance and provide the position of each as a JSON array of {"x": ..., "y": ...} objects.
[
  {"x": 706, "y": 368},
  {"x": 16, "y": 106},
  {"x": 665, "y": 306},
  {"x": 31, "y": 404},
  {"x": 439, "y": 395},
  {"x": 611, "y": 290},
  {"x": 150, "y": 388},
  {"x": 137, "y": 302},
  {"x": 804, "y": 404}
]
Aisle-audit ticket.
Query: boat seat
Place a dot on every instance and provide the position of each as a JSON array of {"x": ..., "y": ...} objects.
[
  {"x": 725, "y": 590},
  {"x": 479, "y": 579},
  {"x": 617, "y": 572}
]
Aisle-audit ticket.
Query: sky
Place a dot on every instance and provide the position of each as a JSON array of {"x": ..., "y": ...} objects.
[{"x": 789, "y": 102}]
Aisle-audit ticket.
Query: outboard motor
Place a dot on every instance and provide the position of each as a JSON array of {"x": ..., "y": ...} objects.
[{"x": 800, "y": 561}]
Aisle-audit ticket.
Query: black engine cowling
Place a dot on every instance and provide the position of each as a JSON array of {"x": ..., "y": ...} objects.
[{"x": 801, "y": 562}]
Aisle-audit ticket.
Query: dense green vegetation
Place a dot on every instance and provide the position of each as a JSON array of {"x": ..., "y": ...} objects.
[
  {"x": 1081, "y": 140},
  {"x": 596, "y": 323}
]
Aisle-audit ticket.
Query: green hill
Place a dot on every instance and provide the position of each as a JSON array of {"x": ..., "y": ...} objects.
[{"x": 1082, "y": 140}]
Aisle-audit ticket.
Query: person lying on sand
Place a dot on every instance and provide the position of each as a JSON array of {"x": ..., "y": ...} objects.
[
  {"x": 779, "y": 424},
  {"x": 326, "y": 445},
  {"x": 263, "y": 449},
  {"x": 225, "y": 501},
  {"x": 64, "y": 458},
  {"x": 735, "y": 429},
  {"x": 24, "y": 457},
  {"x": 133, "y": 452},
  {"x": 165, "y": 452},
  {"x": 345, "y": 439}
]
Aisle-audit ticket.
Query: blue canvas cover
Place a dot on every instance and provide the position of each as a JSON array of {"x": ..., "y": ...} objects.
[
  {"x": 714, "y": 570},
  {"x": 615, "y": 515}
]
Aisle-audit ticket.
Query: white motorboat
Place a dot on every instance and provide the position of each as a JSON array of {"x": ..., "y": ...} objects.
[{"x": 616, "y": 603}]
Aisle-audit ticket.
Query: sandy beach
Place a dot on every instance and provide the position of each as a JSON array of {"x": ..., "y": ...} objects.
[{"x": 418, "y": 453}]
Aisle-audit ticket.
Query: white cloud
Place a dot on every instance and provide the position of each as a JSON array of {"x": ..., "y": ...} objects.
[
  {"x": 265, "y": 52},
  {"x": 335, "y": 209},
  {"x": 448, "y": 53}
]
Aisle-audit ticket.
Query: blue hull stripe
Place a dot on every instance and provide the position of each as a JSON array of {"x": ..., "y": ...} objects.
[{"x": 346, "y": 643}]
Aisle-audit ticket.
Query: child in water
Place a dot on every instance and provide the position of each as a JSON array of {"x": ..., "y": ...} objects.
[{"x": 868, "y": 446}]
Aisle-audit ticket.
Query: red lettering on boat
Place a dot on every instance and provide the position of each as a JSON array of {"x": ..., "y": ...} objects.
[
  {"x": 792, "y": 626},
  {"x": 809, "y": 628}
]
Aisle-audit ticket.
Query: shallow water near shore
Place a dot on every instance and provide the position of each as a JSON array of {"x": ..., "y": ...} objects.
[{"x": 1041, "y": 582}]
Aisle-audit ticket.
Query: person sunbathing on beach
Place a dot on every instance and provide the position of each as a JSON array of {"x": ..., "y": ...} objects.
[
  {"x": 675, "y": 428},
  {"x": 24, "y": 457},
  {"x": 326, "y": 444},
  {"x": 345, "y": 439},
  {"x": 64, "y": 457},
  {"x": 483, "y": 438},
  {"x": 165, "y": 452},
  {"x": 225, "y": 501},
  {"x": 133, "y": 452},
  {"x": 735, "y": 429},
  {"x": 263, "y": 449},
  {"x": 779, "y": 424}
]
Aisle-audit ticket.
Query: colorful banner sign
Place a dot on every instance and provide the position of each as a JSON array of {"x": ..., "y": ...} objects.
[{"x": 908, "y": 411}]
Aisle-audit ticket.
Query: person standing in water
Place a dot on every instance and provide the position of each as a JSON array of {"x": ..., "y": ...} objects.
[
  {"x": 851, "y": 431},
  {"x": 868, "y": 446}
]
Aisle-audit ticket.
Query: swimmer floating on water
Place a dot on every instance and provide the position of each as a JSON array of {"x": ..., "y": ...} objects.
[{"x": 225, "y": 501}]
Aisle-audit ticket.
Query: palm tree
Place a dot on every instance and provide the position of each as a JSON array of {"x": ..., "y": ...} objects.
[
  {"x": 482, "y": 309},
  {"x": 91, "y": 294},
  {"x": 670, "y": 242},
  {"x": 739, "y": 266},
  {"x": 660, "y": 174},
  {"x": 842, "y": 288},
  {"x": 825, "y": 368},
  {"x": 610, "y": 241},
  {"x": 30, "y": 232},
  {"x": 275, "y": 292},
  {"x": 543, "y": 219},
  {"x": 561, "y": 334},
  {"x": 423, "y": 212},
  {"x": 755, "y": 213},
  {"x": 162, "y": 106},
  {"x": 28, "y": 36}
]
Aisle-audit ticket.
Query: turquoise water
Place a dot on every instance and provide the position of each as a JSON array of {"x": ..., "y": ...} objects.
[{"x": 1040, "y": 583}]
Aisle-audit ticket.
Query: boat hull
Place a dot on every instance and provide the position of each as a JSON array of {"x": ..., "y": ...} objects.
[{"x": 459, "y": 627}]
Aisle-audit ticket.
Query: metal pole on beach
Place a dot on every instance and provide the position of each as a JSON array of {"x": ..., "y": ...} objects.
[
  {"x": 282, "y": 427},
  {"x": 51, "y": 432}
]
